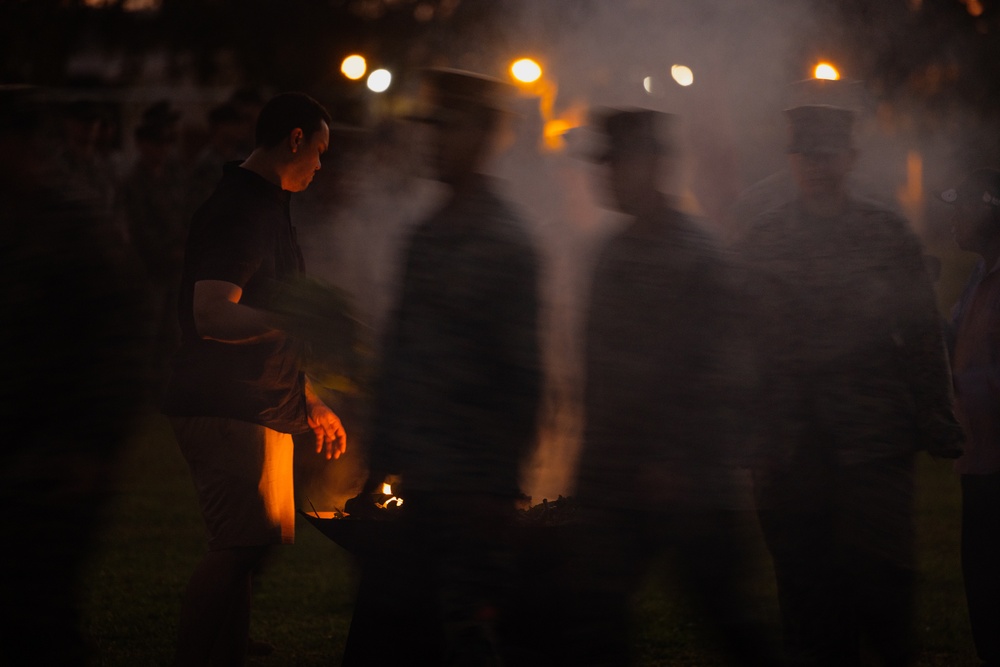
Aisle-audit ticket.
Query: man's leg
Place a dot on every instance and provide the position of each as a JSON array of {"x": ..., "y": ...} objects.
[{"x": 215, "y": 611}]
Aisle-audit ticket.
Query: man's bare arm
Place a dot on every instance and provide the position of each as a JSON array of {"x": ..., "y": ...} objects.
[{"x": 219, "y": 315}]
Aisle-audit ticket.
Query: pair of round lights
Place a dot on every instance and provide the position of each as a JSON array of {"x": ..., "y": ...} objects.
[{"x": 354, "y": 67}]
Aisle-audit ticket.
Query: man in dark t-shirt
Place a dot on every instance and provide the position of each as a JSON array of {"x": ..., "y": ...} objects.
[{"x": 237, "y": 392}]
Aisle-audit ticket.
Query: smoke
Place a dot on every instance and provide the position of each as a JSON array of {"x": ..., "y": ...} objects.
[{"x": 744, "y": 56}]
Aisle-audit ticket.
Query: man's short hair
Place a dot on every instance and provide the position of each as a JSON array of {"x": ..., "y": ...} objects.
[{"x": 285, "y": 112}]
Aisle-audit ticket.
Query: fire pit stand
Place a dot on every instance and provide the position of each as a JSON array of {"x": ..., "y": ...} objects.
[{"x": 395, "y": 596}]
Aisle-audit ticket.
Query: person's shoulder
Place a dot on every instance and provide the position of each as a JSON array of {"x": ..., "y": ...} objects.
[
  {"x": 503, "y": 224},
  {"x": 875, "y": 210},
  {"x": 696, "y": 235},
  {"x": 766, "y": 226},
  {"x": 876, "y": 219}
]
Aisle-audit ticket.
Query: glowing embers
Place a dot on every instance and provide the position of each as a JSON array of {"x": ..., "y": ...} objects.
[
  {"x": 390, "y": 502},
  {"x": 826, "y": 71}
]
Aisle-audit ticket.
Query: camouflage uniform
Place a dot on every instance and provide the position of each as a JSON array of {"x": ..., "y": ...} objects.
[
  {"x": 855, "y": 383},
  {"x": 664, "y": 382},
  {"x": 456, "y": 407}
]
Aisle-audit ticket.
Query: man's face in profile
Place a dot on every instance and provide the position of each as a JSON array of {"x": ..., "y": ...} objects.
[
  {"x": 307, "y": 160},
  {"x": 458, "y": 140}
]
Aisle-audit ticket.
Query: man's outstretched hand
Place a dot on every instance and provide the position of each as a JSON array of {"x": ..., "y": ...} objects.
[{"x": 330, "y": 435}]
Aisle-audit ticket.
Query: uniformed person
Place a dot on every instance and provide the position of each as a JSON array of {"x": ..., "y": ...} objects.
[
  {"x": 456, "y": 407},
  {"x": 656, "y": 470},
  {"x": 855, "y": 383}
]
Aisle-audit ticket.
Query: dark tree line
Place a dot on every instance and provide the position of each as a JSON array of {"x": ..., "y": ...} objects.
[{"x": 935, "y": 59}]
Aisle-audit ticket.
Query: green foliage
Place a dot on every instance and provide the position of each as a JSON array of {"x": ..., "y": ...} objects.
[{"x": 337, "y": 345}]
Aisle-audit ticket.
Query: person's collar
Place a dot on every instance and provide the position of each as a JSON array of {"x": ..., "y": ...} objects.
[{"x": 249, "y": 176}]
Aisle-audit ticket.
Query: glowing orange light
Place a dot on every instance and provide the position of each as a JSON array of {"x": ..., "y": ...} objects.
[
  {"x": 387, "y": 489},
  {"x": 555, "y": 128},
  {"x": 526, "y": 70},
  {"x": 911, "y": 194},
  {"x": 826, "y": 71},
  {"x": 974, "y": 7},
  {"x": 353, "y": 67}
]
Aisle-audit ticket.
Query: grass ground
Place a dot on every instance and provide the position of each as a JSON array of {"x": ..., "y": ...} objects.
[{"x": 153, "y": 537}]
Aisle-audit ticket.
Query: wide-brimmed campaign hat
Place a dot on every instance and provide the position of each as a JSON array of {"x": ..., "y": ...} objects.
[
  {"x": 452, "y": 91},
  {"x": 631, "y": 131},
  {"x": 820, "y": 129},
  {"x": 980, "y": 185}
]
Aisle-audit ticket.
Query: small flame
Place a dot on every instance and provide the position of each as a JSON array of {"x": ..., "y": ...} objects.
[
  {"x": 387, "y": 489},
  {"x": 826, "y": 71}
]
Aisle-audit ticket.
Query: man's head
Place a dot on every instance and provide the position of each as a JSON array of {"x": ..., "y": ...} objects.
[
  {"x": 466, "y": 117},
  {"x": 293, "y": 132},
  {"x": 821, "y": 149},
  {"x": 976, "y": 219},
  {"x": 636, "y": 146}
]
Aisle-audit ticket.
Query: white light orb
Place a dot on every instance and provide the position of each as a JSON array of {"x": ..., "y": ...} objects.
[
  {"x": 379, "y": 80},
  {"x": 682, "y": 75}
]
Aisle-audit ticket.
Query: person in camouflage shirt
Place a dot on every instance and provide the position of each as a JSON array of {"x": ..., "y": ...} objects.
[
  {"x": 663, "y": 390},
  {"x": 456, "y": 406},
  {"x": 854, "y": 383}
]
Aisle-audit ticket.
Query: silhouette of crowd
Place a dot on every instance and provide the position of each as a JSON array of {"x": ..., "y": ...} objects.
[{"x": 781, "y": 375}]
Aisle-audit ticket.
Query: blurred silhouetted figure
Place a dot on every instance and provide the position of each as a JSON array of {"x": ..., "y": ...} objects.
[
  {"x": 79, "y": 160},
  {"x": 663, "y": 384},
  {"x": 780, "y": 187},
  {"x": 855, "y": 383},
  {"x": 152, "y": 200},
  {"x": 71, "y": 327},
  {"x": 249, "y": 100},
  {"x": 456, "y": 407},
  {"x": 976, "y": 370},
  {"x": 225, "y": 142}
]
